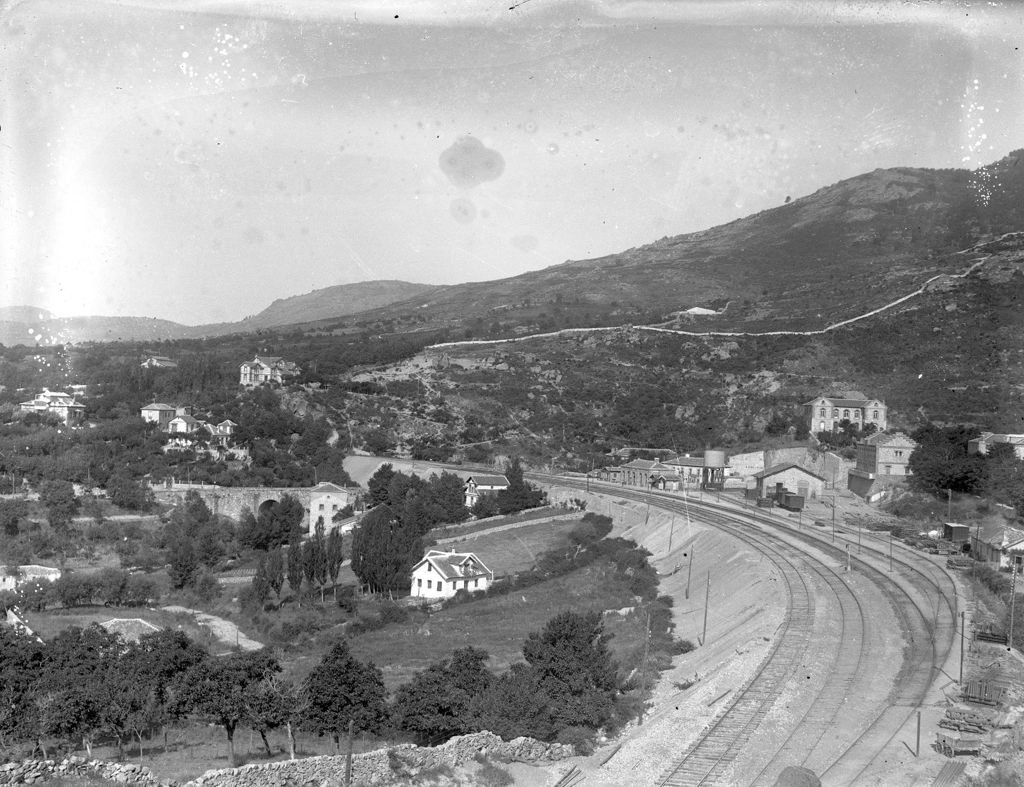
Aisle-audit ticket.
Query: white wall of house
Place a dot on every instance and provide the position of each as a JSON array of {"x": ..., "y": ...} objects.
[{"x": 428, "y": 583}]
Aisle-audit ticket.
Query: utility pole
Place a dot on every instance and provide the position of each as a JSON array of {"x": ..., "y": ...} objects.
[
  {"x": 890, "y": 550},
  {"x": 847, "y": 558},
  {"x": 962, "y": 634},
  {"x": 348, "y": 757},
  {"x": 1013, "y": 598},
  {"x": 707, "y": 597},
  {"x": 671, "y": 530},
  {"x": 689, "y": 570},
  {"x": 949, "y": 505},
  {"x": 643, "y": 667}
]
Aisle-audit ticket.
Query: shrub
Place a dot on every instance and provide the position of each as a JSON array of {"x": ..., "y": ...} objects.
[
  {"x": 393, "y": 613},
  {"x": 581, "y": 739}
]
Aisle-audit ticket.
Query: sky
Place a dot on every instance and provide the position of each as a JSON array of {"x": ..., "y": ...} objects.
[{"x": 194, "y": 161}]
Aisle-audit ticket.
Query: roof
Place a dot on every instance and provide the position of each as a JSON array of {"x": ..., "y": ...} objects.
[
  {"x": 640, "y": 464},
  {"x": 687, "y": 461},
  {"x": 488, "y": 480},
  {"x": 158, "y": 406},
  {"x": 774, "y": 469},
  {"x": 997, "y": 437},
  {"x": 327, "y": 486},
  {"x": 884, "y": 438},
  {"x": 129, "y": 628},
  {"x": 455, "y": 565},
  {"x": 843, "y": 402},
  {"x": 188, "y": 419}
]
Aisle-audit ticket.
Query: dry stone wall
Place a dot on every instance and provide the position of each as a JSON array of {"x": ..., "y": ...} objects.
[
  {"x": 42, "y": 771},
  {"x": 394, "y": 765}
]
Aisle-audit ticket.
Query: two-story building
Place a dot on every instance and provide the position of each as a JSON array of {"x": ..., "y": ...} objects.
[
  {"x": 826, "y": 413},
  {"x": 56, "y": 403},
  {"x": 981, "y": 444},
  {"x": 265, "y": 369},
  {"x": 325, "y": 500},
  {"x": 441, "y": 575},
  {"x": 883, "y": 462},
  {"x": 158, "y": 413},
  {"x": 478, "y": 485}
]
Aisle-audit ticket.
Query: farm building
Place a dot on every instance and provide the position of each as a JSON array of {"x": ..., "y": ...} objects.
[
  {"x": 789, "y": 476},
  {"x": 478, "y": 485},
  {"x": 443, "y": 574}
]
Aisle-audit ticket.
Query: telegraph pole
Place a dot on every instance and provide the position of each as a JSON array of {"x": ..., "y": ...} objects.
[
  {"x": 1013, "y": 599},
  {"x": 962, "y": 634},
  {"x": 707, "y": 597},
  {"x": 671, "y": 530},
  {"x": 689, "y": 570},
  {"x": 643, "y": 667}
]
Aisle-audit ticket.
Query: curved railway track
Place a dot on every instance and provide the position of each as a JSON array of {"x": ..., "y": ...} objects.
[{"x": 922, "y": 595}]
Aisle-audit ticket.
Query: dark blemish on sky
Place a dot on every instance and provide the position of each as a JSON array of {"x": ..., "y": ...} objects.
[
  {"x": 468, "y": 163},
  {"x": 463, "y": 210}
]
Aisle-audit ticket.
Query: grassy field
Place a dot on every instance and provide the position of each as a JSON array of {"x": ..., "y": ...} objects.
[
  {"x": 515, "y": 549},
  {"x": 498, "y": 624},
  {"x": 50, "y": 623}
]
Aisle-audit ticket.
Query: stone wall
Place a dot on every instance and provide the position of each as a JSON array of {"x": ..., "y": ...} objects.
[
  {"x": 394, "y": 765},
  {"x": 42, "y": 771}
]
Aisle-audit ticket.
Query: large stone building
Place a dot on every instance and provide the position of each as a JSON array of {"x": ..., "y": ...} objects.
[
  {"x": 826, "y": 413},
  {"x": 791, "y": 477},
  {"x": 57, "y": 403}
]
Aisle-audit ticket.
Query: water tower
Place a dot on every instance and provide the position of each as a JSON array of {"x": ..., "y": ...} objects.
[{"x": 713, "y": 472}]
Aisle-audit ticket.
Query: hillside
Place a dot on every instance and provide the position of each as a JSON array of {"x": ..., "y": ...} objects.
[
  {"x": 953, "y": 354},
  {"x": 323, "y": 304},
  {"x": 22, "y": 324},
  {"x": 827, "y": 256}
]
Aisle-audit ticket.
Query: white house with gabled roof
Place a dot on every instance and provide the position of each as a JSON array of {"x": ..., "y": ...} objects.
[
  {"x": 443, "y": 574},
  {"x": 478, "y": 485}
]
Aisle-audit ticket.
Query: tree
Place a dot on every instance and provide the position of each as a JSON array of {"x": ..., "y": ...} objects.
[
  {"x": 295, "y": 571},
  {"x": 184, "y": 563},
  {"x": 941, "y": 461},
  {"x": 320, "y": 556},
  {"x": 272, "y": 703},
  {"x": 275, "y": 571},
  {"x": 60, "y": 501},
  {"x": 218, "y": 688},
  {"x": 519, "y": 494},
  {"x": 1005, "y": 476},
  {"x": 341, "y": 689},
  {"x": 435, "y": 704},
  {"x": 379, "y": 485},
  {"x": 126, "y": 492},
  {"x": 261, "y": 582},
  {"x": 576, "y": 670},
  {"x": 384, "y": 552},
  {"x": 335, "y": 557},
  {"x": 12, "y": 513},
  {"x": 309, "y": 561}
]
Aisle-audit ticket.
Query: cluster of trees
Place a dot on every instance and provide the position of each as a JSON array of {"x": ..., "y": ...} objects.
[
  {"x": 846, "y": 435},
  {"x": 196, "y": 541},
  {"x": 88, "y": 686},
  {"x": 942, "y": 463},
  {"x": 111, "y": 587},
  {"x": 317, "y": 561}
]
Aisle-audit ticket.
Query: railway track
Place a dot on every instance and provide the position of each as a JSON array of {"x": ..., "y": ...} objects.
[{"x": 921, "y": 593}]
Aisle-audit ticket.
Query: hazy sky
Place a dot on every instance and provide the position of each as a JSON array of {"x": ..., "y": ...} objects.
[{"x": 194, "y": 161}]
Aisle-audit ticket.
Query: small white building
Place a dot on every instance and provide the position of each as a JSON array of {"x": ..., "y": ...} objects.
[
  {"x": 443, "y": 574},
  {"x": 158, "y": 413},
  {"x": 266, "y": 369},
  {"x": 12, "y": 576},
  {"x": 981, "y": 444},
  {"x": 478, "y": 485}
]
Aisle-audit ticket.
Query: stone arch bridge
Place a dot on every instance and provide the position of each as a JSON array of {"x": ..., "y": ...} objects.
[{"x": 231, "y": 501}]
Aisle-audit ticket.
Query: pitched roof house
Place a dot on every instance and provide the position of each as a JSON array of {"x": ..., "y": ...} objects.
[
  {"x": 981, "y": 444},
  {"x": 266, "y": 369},
  {"x": 792, "y": 477},
  {"x": 57, "y": 403},
  {"x": 443, "y": 574},
  {"x": 477, "y": 485},
  {"x": 158, "y": 413}
]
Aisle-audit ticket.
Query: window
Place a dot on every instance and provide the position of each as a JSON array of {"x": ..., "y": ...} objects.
[
  {"x": 846, "y": 413},
  {"x": 465, "y": 584},
  {"x": 822, "y": 412},
  {"x": 476, "y": 582},
  {"x": 899, "y": 454},
  {"x": 835, "y": 412},
  {"x": 321, "y": 506},
  {"x": 454, "y": 583},
  {"x": 856, "y": 414},
  {"x": 874, "y": 415},
  {"x": 430, "y": 584},
  {"x": 334, "y": 506},
  {"x": 888, "y": 469},
  {"x": 419, "y": 582}
]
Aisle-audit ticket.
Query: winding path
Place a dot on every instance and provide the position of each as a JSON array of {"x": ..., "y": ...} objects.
[{"x": 817, "y": 332}]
